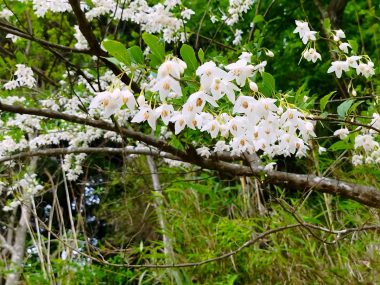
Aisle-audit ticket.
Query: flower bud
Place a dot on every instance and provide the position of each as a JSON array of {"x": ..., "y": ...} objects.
[
  {"x": 253, "y": 86},
  {"x": 269, "y": 53}
]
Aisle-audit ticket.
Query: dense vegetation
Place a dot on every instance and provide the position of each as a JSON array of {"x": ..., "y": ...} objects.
[{"x": 93, "y": 193}]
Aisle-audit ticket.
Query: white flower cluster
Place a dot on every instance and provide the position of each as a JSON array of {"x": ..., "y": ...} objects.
[
  {"x": 304, "y": 32},
  {"x": 25, "y": 123},
  {"x": 72, "y": 165},
  {"x": 367, "y": 148},
  {"x": 156, "y": 19},
  {"x": 111, "y": 101},
  {"x": 238, "y": 37},
  {"x": 257, "y": 124},
  {"x": 152, "y": 19},
  {"x": 362, "y": 68},
  {"x": 81, "y": 41},
  {"x": 8, "y": 145},
  {"x": 236, "y": 9},
  {"x": 41, "y": 7},
  {"x": 24, "y": 77},
  {"x": 306, "y": 35},
  {"x": 362, "y": 64},
  {"x": 6, "y": 14},
  {"x": 28, "y": 184},
  {"x": 101, "y": 7}
]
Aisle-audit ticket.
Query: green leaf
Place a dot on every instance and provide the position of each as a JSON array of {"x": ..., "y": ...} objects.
[
  {"x": 354, "y": 45},
  {"x": 269, "y": 82},
  {"x": 114, "y": 61},
  {"x": 323, "y": 102},
  {"x": 343, "y": 108},
  {"x": 188, "y": 55},
  {"x": 201, "y": 55},
  {"x": 340, "y": 145},
  {"x": 327, "y": 24},
  {"x": 136, "y": 55},
  {"x": 354, "y": 106},
  {"x": 258, "y": 19},
  {"x": 300, "y": 95},
  {"x": 157, "y": 48},
  {"x": 117, "y": 50}
]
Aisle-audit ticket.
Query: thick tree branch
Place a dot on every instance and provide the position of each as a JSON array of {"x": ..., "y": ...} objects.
[
  {"x": 366, "y": 195},
  {"x": 149, "y": 140}
]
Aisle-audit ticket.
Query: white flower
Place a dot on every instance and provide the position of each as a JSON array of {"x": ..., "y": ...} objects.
[
  {"x": 6, "y": 14},
  {"x": 240, "y": 70},
  {"x": 338, "y": 67},
  {"x": 172, "y": 68},
  {"x": 12, "y": 37},
  {"x": 24, "y": 77},
  {"x": 366, "y": 142},
  {"x": 221, "y": 146},
  {"x": 342, "y": 133},
  {"x": 12, "y": 205},
  {"x": 204, "y": 151},
  {"x": 81, "y": 40},
  {"x": 166, "y": 85},
  {"x": 165, "y": 111},
  {"x": 321, "y": 149},
  {"x": 128, "y": 98},
  {"x": 179, "y": 122},
  {"x": 208, "y": 71},
  {"x": 269, "y": 53},
  {"x": 212, "y": 127},
  {"x": 243, "y": 104},
  {"x": 186, "y": 14},
  {"x": 238, "y": 37},
  {"x": 146, "y": 114},
  {"x": 110, "y": 102},
  {"x": 312, "y": 55},
  {"x": 13, "y": 84},
  {"x": 344, "y": 47},
  {"x": 253, "y": 86},
  {"x": 366, "y": 70},
  {"x": 219, "y": 87},
  {"x": 339, "y": 34},
  {"x": 308, "y": 36},
  {"x": 261, "y": 66},
  {"x": 270, "y": 166},
  {"x": 352, "y": 61},
  {"x": 375, "y": 123},
  {"x": 246, "y": 56},
  {"x": 302, "y": 28}
]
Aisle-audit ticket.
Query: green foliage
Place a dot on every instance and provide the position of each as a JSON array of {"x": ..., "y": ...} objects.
[
  {"x": 269, "y": 84},
  {"x": 118, "y": 51},
  {"x": 188, "y": 55},
  {"x": 157, "y": 48},
  {"x": 208, "y": 213}
]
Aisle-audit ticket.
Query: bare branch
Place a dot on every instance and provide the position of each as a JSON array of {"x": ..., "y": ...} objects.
[
  {"x": 14, "y": 31},
  {"x": 253, "y": 240}
]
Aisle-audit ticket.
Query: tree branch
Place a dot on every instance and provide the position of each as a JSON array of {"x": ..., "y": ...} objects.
[
  {"x": 253, "y": 240},
  {"x": 14, "y": 31},
  {"x": 366, "y": 195},
  {"x": 89, "y": 150}
]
